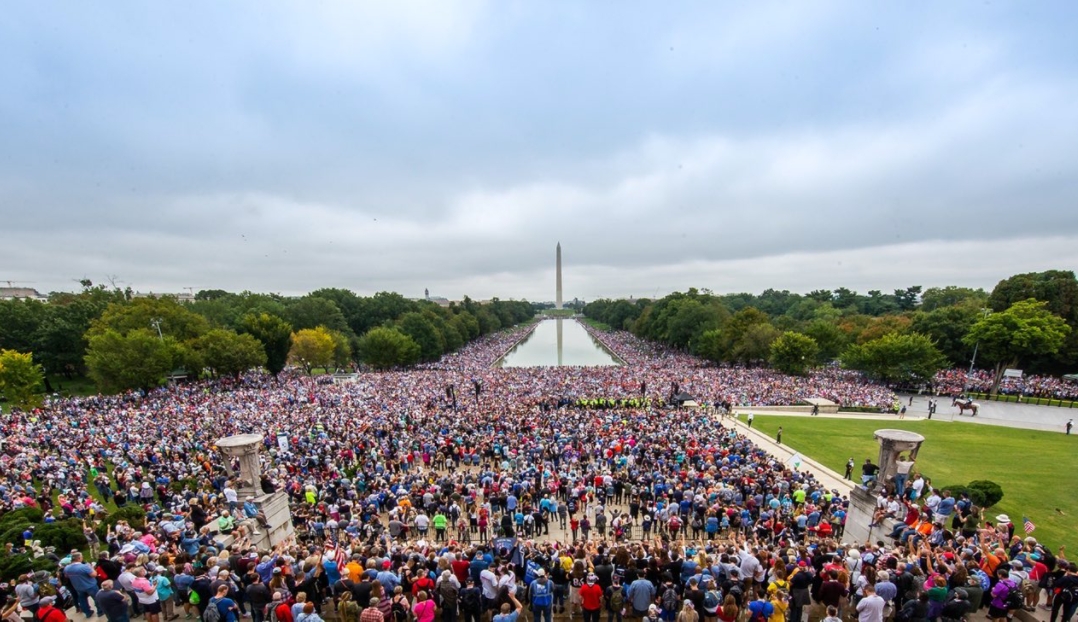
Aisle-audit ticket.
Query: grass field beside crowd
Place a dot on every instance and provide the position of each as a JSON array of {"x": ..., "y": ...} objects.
[{"x": 1035, "y": 469}]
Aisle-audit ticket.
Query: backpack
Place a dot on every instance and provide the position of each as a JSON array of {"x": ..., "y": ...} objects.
[
  {"x": 400, "y": 611},
  {"x": 469, "y": 600},
  {"x": 1014, "y": 599},
  {"x": 212, "y": 613},
  {"x": 447, "y": 593},
  {"x": 758, "y": 614},
  {"x": 1068, "y": 595},
  {"x": 670, "y": 600},
  {"x": 542, "y": 594},
  {"x": 616, "y": 601},
  {"x": 711, "y": 601}
]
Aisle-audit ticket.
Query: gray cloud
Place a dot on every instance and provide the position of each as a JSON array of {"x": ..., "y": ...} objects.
[{"x": 450, "y": 146}]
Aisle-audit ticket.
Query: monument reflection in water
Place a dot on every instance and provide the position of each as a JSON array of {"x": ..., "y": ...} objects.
[{"x": 555, "y": 343}]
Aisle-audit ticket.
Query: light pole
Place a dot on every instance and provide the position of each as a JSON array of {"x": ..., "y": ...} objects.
[
  {"x": 156, "y": 323},
  {"x": 973, "y": 360}
]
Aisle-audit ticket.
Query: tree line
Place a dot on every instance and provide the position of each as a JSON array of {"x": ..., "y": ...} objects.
[
  {"x": 122, "y": 342},
  {"x": 1027, "y": 320}
]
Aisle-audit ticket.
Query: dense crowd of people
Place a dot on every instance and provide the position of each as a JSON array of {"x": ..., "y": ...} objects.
[
  {"x": 959, "y": 381},
  {"x": 465, "y": 491}
]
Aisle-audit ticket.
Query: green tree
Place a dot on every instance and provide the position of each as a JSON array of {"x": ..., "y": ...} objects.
[
  {"x": 829, "y": 339},
  {"x": 19, "y": 321},
  {"x": 313, "y": 347},
  {"x": 688, "y": 318},
  {"x": 879, "y": 326},
  {"x": 229, "y": 354},
  {"x": 1026, "y": 329},
  {"x": 381, "y": 308},
  {"x": 59, "y": 342},
  {"x": 735, "y": 331},
  {"x": 274, "y": 334},
  {"x": 313, "y": 311},
  {"x": 710, "y": 345},
  {"x": 947, "y": 327},
  {"x": 342, "y": 350},
  {"x": 388, "y": 347},
  {"x": 138, "y": 359},
  {"x": 21, "y": 380},
  {"x": 793, "y": 353},
  {"x": 755, "y": 343},
  {"x": 423, "y": 332},
  {"x": 896, "y": 358},
  {"x": 1058, "y": 289},
  {"x": 174, "y": 319},
  {"x": 940, "y": 297}
]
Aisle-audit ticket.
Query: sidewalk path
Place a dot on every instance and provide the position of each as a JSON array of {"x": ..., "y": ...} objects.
[{"x": 831, "y": 479}]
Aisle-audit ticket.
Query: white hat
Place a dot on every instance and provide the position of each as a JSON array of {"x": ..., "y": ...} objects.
[{"x": 1003, "y": 518}]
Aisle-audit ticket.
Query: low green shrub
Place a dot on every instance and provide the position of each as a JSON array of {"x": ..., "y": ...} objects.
[
  {"x": 64, "y": 535},
  {"x": 992, "y": 491}
]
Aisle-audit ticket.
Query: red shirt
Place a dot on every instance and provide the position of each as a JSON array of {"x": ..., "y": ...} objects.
[{"x": 591, "y": 596}]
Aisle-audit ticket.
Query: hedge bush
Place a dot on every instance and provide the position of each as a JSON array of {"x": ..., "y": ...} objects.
[
  {"x": 21, "y": 516},
  {"x": 992, "y": 491},
  {"x": 64, "y": 535},
  {"x": 11, "y": 566},
  {"x": 133, "y": 514},
  {"x": 976, "y": 496},
  {"x": 982, "y": 492}
]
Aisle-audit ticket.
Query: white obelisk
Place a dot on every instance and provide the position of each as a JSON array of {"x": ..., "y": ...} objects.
[{"x": 558, "y": 300}]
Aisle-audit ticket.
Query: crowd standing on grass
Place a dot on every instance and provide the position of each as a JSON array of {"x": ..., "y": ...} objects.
[{"x": 458, "y": 491}]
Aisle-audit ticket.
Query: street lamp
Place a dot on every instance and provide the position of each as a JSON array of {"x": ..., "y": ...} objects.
[{"x": 973, "y": 360}]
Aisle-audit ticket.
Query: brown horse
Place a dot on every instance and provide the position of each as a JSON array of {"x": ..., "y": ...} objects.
[{"x": 964, "y": 406}]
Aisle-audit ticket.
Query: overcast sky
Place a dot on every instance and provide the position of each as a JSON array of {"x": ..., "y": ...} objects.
[{"x": 449, "y": 145}]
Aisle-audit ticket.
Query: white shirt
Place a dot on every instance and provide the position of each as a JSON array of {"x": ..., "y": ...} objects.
[
  {"x": 870, "y": 609},
  {"x": 490, "y": 584},
  {"x": 230, "y": 495}
]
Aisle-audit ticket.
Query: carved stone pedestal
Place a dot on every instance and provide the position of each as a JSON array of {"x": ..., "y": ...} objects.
[
  {"x": 274, "y": 507},
  {"x": 863, "y": 499}
]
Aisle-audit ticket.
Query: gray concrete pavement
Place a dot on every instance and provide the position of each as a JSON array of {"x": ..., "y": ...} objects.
[{"x": 1025, "y": 416}]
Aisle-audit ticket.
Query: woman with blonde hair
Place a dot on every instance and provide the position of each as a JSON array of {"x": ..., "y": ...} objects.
[
  {"x": 347, "y": 609},
  {"x": 688, "y": 612}
]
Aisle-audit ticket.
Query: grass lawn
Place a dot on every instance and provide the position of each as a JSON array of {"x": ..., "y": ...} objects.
[
  {"x": 596, "y": 324},
  {"x": 1035, "y": 469},
  {"x": 78, "y": 385}
]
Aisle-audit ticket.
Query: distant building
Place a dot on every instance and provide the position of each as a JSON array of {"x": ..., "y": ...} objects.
[
  {"x": 438, "y": 300},
  {"x": 184, "y": 297},
  {"x": 21, "y": 293}
]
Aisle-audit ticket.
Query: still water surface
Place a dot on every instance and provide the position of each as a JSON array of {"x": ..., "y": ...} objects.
[{"x": 557, "y": 342}]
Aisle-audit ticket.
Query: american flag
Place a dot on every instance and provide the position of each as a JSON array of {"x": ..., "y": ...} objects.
[
  {"x": 1028, "y": 524},
  {"x": 336, "y": 553}
]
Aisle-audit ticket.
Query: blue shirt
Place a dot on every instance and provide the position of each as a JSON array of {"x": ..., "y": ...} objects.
[
  {"x": 225, "y": 607},
  {"x": 82, "y": 577}
]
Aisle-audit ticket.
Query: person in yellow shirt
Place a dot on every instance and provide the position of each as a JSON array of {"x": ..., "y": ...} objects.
[{"x": 781, "y": 602}]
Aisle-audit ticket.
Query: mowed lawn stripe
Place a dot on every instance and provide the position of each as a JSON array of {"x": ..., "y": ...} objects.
[{"x": 1038, "y": 471}]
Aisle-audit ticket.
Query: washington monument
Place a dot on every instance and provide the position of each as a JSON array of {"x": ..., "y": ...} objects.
[{"x": 557, "y": 304}]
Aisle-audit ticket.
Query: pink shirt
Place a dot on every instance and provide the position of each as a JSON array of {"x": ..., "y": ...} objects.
[{"x": 424, "y": 611}]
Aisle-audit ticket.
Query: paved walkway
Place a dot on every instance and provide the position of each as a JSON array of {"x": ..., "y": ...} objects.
[
  {"x": 1023, "y": 416},
  {"x": 1008, "y": 414},
  {"x": 829, "y": 478}
]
